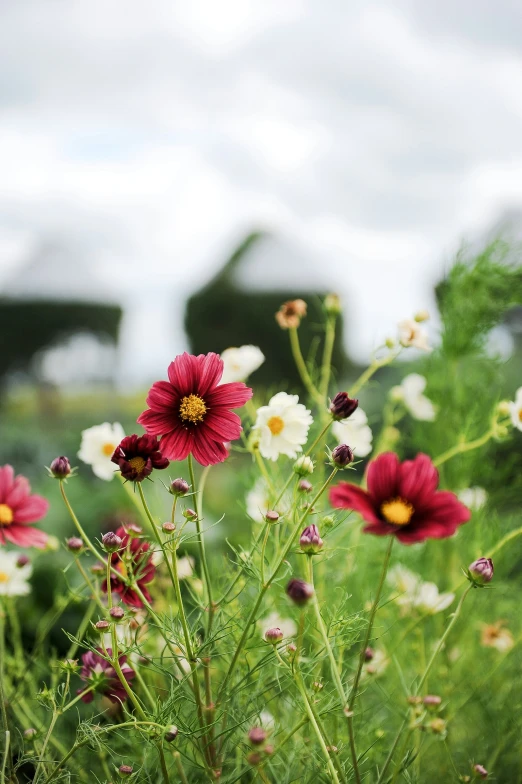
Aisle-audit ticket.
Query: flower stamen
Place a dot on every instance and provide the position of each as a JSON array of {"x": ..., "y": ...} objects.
[
  {"x": 397, "y": 511},
  {"x": 192, "y": 409},
  {"x": 6, "y": 515},
  {"x": 108, "y": 449},
  {"x": 4, "y": 577},
  {"x": 275, "y": 424},
  {"x": 138, "y": 464}
]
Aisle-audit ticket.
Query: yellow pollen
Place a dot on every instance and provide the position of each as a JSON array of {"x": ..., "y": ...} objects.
[
  {"x": 6, "y": 514},
  {"x": 138, "y": 463},
  {"x": 122, "y": 569},
  {"x": 397, "y": 511},
  {"x": 520, "y": 414},
  {"x": 192, "y": 409},
  {"x": 108, "y": 449},
  {"x": 275, "y": 425},
  {"x": 4, "y": 578}
]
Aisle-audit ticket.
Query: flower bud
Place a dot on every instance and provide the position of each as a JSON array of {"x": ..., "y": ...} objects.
[
  {"x": 369, "y": 653},
  {"x": 332, "y": 304},
  {"x": 52, "y": 544},
  {"x": 438, "y": 726},
  {"x": 22, "y": 561},
  {"x": 74, "y": 544},
  {"x": 304, "y": 465},
  {"x": 102, "y": 626},
  {"x": 342, "y": 456},
  {"x": 481, "y": 571},
  {"x": 117, "y": 613},
  {"x": 70, "y": 665},
  {"x": 310, "y": 541},
  {"x": 111, "y": 542},
  {"x": 257, "y": 736},
  {"x": 168, "y": 527},
  {"x": 125, "y": 771},
  {"x": 432, "y": 700},
  {"x": 190, "y": 514},
  {"x": 171, "y": 734},
  {"x": 179, "y": 487},
  {"x": 299, "y": 591},
  {"x": 305, "y": 486},
  {"x": 343, "y": 406},
  {"x": 272, "y": 516},
  {"x": 317, "y": 686},
  {"x": 30, "y": 733},
  {"x": 421, "y": 315},
  {"x": 327, "y": 521},
  {"x": 274, "y": 635},
  {"x": 60, "y": 467},
  {"x": 504, "y": 408},
  {"x": 389, "y": 343},
  {"x": 290, "y": 313},
  {"x": 480, "y": 771},
  {"x": 291, "y": 648},
  {"x": 98, "y": 568},
  {"x": 254, "y": 758},
  {"x": 269, "y": 749}
]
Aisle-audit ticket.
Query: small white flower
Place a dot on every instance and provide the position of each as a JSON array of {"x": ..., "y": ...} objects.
[
  {"x": 412, "y": 334},
  {"x": 274, "y": 620},
  {"x": 515, "y": 408},
  {"x": 414, "y": 593},
  {"x": 267, "y": 720},
  {"x": 411, "y": 393},
  {"x": 240, "y": 362},
  {"x": 258, "y": 501},
  {"x": 13, "y": 578},
  {"x": 97, "y": 447},
  {"x": 283, "y": 426},
  {"x": 473, "y": 497},
  {"x": 355, "y": 432},
  {"x": 185, "y": 567},
  {"x": 376, "y": 667},
  {"x": 429, "y": 600}
]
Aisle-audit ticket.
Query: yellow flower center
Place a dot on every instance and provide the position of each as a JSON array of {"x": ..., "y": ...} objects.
[
  {"x": 520, "y": 414},
  {"x": 122, "y": 569},
  {"x": 192, "y": 408},
  {"x": 397, "y": 511},
  {"x": 108, "y": 449},
  {"x": 4, "y": 578},
  {"x": 6, "y": 514},
  {"x": 138, "y": 463},
  {"x": 275, "y": 425}
]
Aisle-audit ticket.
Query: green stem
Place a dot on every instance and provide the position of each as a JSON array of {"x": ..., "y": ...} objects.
[
  {"x": 79, "y": 528},
  {"x": 5, "y": 756},
  {"x": 46, "y": 742},
  {"x": 319, "y": 437},
  {"x": 301, "y": 367},
  {"x": 376, "y": 365},
  {"x": 263, "y": 548},
  {"x": 76, "y": 699},
  {"x": 326, "y": 366},
  {"x": 201, "y": 545},
  {"x": 465, "y": 446},
  {"x": 3, "y": 713},
  {"x": 315, "y": 725}
]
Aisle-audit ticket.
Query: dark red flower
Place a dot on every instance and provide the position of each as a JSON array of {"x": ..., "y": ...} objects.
[
  {"x": 191, "y": 411},
  {"x": 134, "y": 562},
  {"x": 98, "y": 672},
  {"x": 402, "y": 499},
  {"x": 136, "y": 456}
]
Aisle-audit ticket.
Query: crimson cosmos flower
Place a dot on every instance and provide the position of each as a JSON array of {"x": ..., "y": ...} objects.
[
  {"x": 191, "y": 411},
  {"x": 133, "y": 557},
  {"x": 17, "y": 508},
  {"x": 136, "y": 456},
  {"x": 403, "y": 500},
  {"x": 98, "y": 672}
]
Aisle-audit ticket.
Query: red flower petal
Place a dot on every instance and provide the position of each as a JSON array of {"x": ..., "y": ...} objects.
[
  {"x": 224, "y": 425},
  {"x": 348, "y": 496},
  {"x": 209, "y": 452},
  {"x": 233, "y": 395},
  {"x": 380, "y": 529},
  {"x": 162, "y": 397},
  {"x": 383, "y": 475},
  {"x": 183, "y": 374},
  {"x": 24, "y": 536},
  {"x": 418, "y": 480},
  {"x": 211, "y": 370},
  {"x": 20, "y": 490},
  {"x": 156, "y": 423},
  {"x": 177, "y": 444},
  {"x": 6, "y": 481},
  {"x": 32, "y": 508}
]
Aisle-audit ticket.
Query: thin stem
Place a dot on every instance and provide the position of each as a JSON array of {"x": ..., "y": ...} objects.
[
  {"x": 201, "y": 544},
  {"x": 464, "y": 446},
  {"x": 319, "y": 437},
  {"x": 326, "y": 366},
  {"x": 76, "y": 699},
  {"x": 301, "y": 366},
  {"x": 5, "y": 756},
  {"x": 376, "y": 365},
  {"x": 314, "y": 724},
  {"x": 79, "y": 528},
  {"x": 263, "y": 548},
  {"x": 179, "y": 765},
  {"x": 3, "y": 713},
  {"x": 46, "y": 741}
]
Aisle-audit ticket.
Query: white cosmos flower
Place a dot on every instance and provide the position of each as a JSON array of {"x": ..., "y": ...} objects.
[
  {"x": 283, "y": 426},
  {"x": 515, "y": 408},
  {"x": 258, "y": 501},
  {"x": 412, "y": 334},
  {"x": 413, "y": 592},
  {"x": 13, "y": 578},
  {"x": 240, "y": 362},
  {"x": 274, "y": 620},
  {"x": 185, "y": 567},
  {"x": 410, "y": 392},
  {"x": 355, "y": 432},
  {"x": 97, "y": 447},
  {"x": 377, "y": 666},
  {"x": 473, "y": 497}
]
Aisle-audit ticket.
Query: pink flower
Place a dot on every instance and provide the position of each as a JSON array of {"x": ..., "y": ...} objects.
[
  {"x": 402, "y": 499},
  {"x": 18, "y": 508},
  {"x": 101, "y": 675},
  {"x": 134, "y": 562},
  {"x": 191, "y": 411}
]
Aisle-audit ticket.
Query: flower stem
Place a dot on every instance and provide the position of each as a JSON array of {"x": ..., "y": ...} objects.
[
  {"x": 313, "y": 722},
  {"x": 3, "y": 713},
  {"x": 376, "y": 365},
  {"x": 464, "y": 446},
  {"x": 326, "y": 365},
  {"x": 301, "y": 366},
  {"x": 201, "y": 545},
  {"x": 79, "y": 528}
]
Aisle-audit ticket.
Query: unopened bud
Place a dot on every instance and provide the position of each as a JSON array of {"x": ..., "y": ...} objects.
[
  {"x": 305, "y": 486},
  {"x": 125, "y": 771},
  {"x": 480, "y": 771},
  {"x": 171, "y": 734},
  {"x": 343, "y": 406},
  {"x": 22, "y": 561},
  {"x": 179, "y": 487},
  {"x": 117, "y": 613},
  {"x": 369, "y": 653},
  {"x": 257, "y": 736},
  {"x": 102, "y": 626},
  {"x": 98, "y": 568},
  {"x": 52, "y": 544},
  {"x": 421, "y": 315},
  {"x": 111, "y": 542},
  {"x": 290, "y": 313},
  {"x": 74, "y": 544},
  {"x": 432, "y": 700},
  {"x": 30, "y": 733},
  {"x": 70, "y": 665},
  {"x": 332, "y": 304},
  {"x": 504, "y": 408},
  {"x": 60, "y": 468},
  {"x": 274, "y": 635},
  {"x": 272, "y": 516},
  {"x": 310, "y": 541},
  {"x": 254, "y": 758},
  {"x": 299, "y": 591},
  {"x": 190, "y": 514},
  {"x": 304, "y": 465},
  {"x": 317, "y": 685},
  {"x": 168, "y": 527},
  {"x": 438, "y": 726},
  {"x": 481, "y": 571},
  {"x": 342, "y": 456}
]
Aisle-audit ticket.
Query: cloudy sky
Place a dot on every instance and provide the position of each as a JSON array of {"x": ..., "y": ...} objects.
[{"x": 149, "y": 137}]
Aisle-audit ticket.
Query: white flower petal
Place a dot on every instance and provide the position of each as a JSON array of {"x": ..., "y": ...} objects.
[{"x": 240, "y": 362}]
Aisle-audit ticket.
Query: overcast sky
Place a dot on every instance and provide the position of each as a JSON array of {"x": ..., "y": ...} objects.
[{"x": 151, "y": 136}]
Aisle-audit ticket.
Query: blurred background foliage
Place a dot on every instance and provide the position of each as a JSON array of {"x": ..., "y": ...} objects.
[{"x": 466, "y": 376}]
